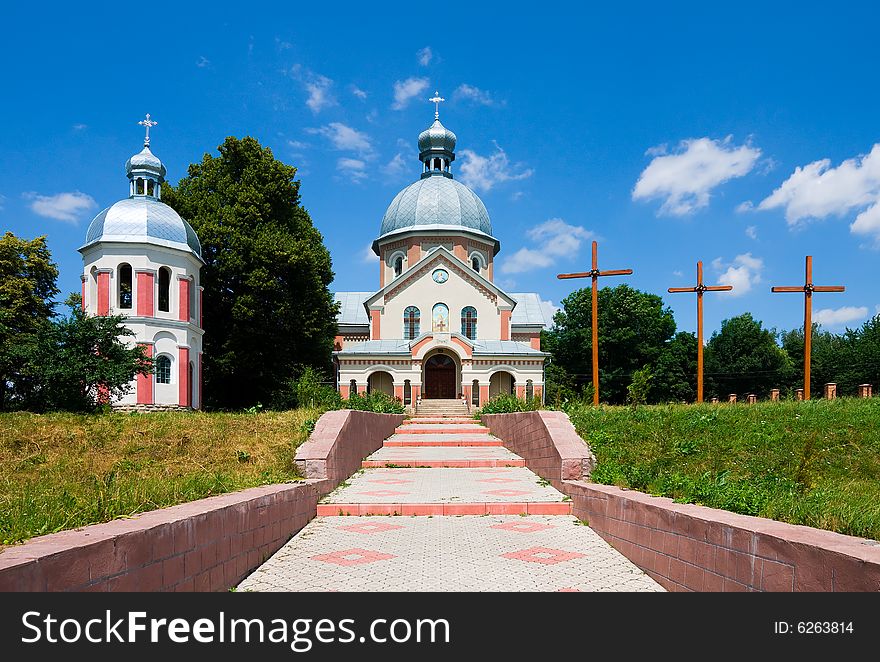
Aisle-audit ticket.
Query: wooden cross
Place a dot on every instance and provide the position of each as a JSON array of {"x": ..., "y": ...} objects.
[
  {"x": 808, "y": 288},
  {"x": 594, "y": 274},
  {"x": 699, "y": 288},
  {"x": 147, "y": 123}
]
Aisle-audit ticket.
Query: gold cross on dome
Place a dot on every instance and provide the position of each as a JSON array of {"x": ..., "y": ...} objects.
[
  {"x": 436, "y": 99},
  {"x": 147, "y": 123}
]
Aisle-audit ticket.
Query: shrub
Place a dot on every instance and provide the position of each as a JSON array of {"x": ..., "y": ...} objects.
[
  {"x": 377, "y": 402},
  {"x": 311, "y": 391},
  {"x": 506, "y": 403}
]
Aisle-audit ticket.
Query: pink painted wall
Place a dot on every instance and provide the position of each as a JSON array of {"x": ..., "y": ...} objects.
[
  {"x": 145, "y": 294},
  {"x": 375, "y": 319},
  {"x": 183, "y": 394},
  {"x": 145, "y": 382},
  {"x": 183, "y": 308},
  {"x": 104, "y": 293},
  {"x": 83, "y": 298},
  {"x": 505, "y": 324}
]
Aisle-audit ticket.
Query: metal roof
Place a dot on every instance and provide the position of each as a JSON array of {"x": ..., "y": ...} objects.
[
  {"x": 351, "y": 309},
  {"x": 501, "y": 347},
  {"x": 378, "y": 347},
  {"x": 528, "y": 311}
]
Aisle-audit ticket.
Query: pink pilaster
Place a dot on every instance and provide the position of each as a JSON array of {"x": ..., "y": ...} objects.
[
  {"x": 374, "y": 326},
  {"x": 145, "y": 289},
  {"x": 184, "y": 299},
  {"x": 484, "y": 393},
  {"x": 183, "y": 398},
  {"x": 103, "y": 293},
  {"x": 535, "y": 341},
  {"x": 343, "y": 391},
  {"x": 201, "y": 291},
  {"x": 398, "y": 392},
  {"x": 201, "y": 406},
  {"x": 145, "y": 382},
  {"x": 83, "y": 298},
  {"x": 505, "y": 324}
]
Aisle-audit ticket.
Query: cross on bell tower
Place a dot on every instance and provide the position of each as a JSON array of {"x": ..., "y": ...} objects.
[
  {"x": 436, "y": 100},
  {"x": 147, "y": 123}
]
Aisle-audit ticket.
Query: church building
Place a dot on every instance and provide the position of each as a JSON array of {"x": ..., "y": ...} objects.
[
  {"x": 438, "y": 327},
  {"x": 141, "y": 260}
]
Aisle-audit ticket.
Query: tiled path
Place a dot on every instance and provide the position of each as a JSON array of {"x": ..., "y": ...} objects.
[{"x": 475, "y": 520}]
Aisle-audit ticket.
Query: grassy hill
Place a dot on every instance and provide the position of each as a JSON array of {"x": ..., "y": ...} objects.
[
  {"x": 815, "y": 463},
  {"x": 60, "y": 471}
]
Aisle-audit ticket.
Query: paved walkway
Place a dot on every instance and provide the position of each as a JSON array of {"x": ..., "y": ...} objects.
[{"x": 474, "y": 520}]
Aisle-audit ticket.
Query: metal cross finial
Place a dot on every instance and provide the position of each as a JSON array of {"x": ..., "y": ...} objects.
[
  {"x": 436, "y": 99},
  {"x": 147, "y": 123}
]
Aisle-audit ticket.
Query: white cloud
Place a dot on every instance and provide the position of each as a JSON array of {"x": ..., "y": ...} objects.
[
  {"x": 202, "y": 62},
  {"x": 344, "y": 137},
  {"x": 516, "y": 195},
  {"x": 745, "y": 207},
  {"x": 684, "y": 180},
  {"x": 367, "y": 254},
  {"x": 297, "y": 144},
  {"x": 553, "y": 239},
  {"x": 817, "y": 191},
  {"x": 549, "y": 309},
  {"x": 474, "y": 95},
  {"x": 406, "y": 90},
  {"x": 424, "y": 56},
  {"x": 484, "y": 172},
  {"x": 752, "y": 232},
  {"x": 355, "y": 169},
  {"x": 65, "y": 207},
  {"x": 2, "y": 202},
  {"x": 743, "y": 273},
  {"x": 80, "y": 127},
  {"x": 678, "y": 273},
  {"x": 318, "y": 88},
  {"x": 840, "y": 316},
  {"x": 396, "y": 166},
  {"x": 358, "y": 92}
]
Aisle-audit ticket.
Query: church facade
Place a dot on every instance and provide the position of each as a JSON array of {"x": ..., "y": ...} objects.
[{"x": 438, "y": 327}]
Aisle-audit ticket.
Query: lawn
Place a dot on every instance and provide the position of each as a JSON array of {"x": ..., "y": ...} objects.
[
  {"x": 60, "y": 471},
  {"x": 815, "y": 463}
]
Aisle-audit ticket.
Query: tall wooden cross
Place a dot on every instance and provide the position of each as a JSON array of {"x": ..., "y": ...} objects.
[
  {"x": 699, "y": 288},
  {"x": 808, "y": 288},
  {"x": 594, "y": 274}
]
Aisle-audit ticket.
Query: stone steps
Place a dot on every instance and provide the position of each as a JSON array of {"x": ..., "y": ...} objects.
[{"x": 432, "y": 509}]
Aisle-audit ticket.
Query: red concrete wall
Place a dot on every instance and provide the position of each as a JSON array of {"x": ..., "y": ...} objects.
[
  {"x": 341, "y": 440},
  {"x": 183, "y": 390},
  {"x": 505, "y": 324},
  {"x": 183, "y": 311},
  {"x": 145, "y": 299},
  {"x": 145, "y": 382},
  {"x": 686, "y": 547},
  {"x": 546, "y": 440},
  {"x": 103, "y": 293},
  {"x": 206, "y": 545}
]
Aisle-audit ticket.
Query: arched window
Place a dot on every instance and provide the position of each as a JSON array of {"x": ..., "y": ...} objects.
[
  {"x": 475, "y": 263},
  {"x": 411, "y": 323},
  {"x": 398, "y": 266},
  {"x": 407, "y": 392},
  {"x": 440, "y": 318},
  {"x": 139, "y": 186},
  {"x": 165, "y": 289},
  {"x": 124, "y": 273},
  {"x": 469, "y": 322},
  {"x": 163, "y": 369},
  {"x": 475, "y": 393},
  {"x": 530, "y": 389},
  {"x": 151, "y": 187}
]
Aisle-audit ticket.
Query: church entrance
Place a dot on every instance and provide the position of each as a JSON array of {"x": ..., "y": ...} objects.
[{"x": 440, "y": 373}]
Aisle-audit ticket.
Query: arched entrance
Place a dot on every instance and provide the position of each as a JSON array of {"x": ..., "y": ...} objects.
[
  {"x": 380, "y": 382},
  {"x": 440, "y": 377},
  {"x": 501, "y": 382}
]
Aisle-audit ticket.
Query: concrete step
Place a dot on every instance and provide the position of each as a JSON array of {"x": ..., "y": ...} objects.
[
  {"x": 418, "y": 442},
  {"x": 417, "y": 463},
  {"x": 439, "y": 428},
  {"x": 477, "y": 508},
  {"x": 445, "y": 420}
]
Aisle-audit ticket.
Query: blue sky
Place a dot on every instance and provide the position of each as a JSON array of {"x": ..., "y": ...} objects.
[{"x": 740, "y": 135}]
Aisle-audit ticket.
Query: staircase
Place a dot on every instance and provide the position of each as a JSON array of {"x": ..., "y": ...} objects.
[{"x": 442, "y": 409}]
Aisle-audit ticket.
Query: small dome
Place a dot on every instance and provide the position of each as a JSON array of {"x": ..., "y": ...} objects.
[
  {"x": 437, "y": 137},
  {"x": 436, "y": 201},
  {"x": 143, "y": 220},
  {"x": 145, "y": 162}
]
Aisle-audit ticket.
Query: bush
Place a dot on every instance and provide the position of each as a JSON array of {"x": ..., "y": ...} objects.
[
  {"x": 311, "y": 391},
  {"x": 506, "y": 403},
  {"x": 376, "y": 402}
]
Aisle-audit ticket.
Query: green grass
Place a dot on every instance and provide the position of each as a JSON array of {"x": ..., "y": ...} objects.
[
  {"x": 61, "y": 471},
  {"x": 815, "y": 463}
]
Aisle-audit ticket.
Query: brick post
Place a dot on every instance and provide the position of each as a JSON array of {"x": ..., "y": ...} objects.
[
  {"x": 714, "y": 401},
  {"x": 799, "y": 394},
  {"x": 864, "y": 390},
  {"x": 774, "y": 394},
  {"x": 751, "y": 398},
  {"x": 830, "y": 391},
  {"x": 731, "y": 397}
]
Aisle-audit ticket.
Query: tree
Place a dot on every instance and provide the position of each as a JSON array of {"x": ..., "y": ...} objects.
[
  {"x": 634, "y": 328},
  {"x": 675, "y": 372},
  {"x": 743, "y": 357},
  {"x": 27, "y": 288},
  {"x": 81, "y": 361},
  {"x": 268, "y": 310}
]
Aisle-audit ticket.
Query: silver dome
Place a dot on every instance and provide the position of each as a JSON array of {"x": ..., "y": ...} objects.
[
  {"x": 437, "y": 137},
  {"x": 436, "y": 201},
  {"x": 143, "y": 220},
  {"x": 145, "y": 162}
]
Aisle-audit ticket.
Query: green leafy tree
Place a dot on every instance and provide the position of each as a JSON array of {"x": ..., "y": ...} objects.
[
  {"x": 268, "y": 310},
  {"x": 634, "y": 328},
  {"x": 743, "y": 357},
  {"x": 81, "y": 361},
  {"x": 675, "y": 371},
  {"x": 27, "y": 289}
]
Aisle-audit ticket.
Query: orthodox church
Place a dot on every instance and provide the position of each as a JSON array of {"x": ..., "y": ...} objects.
[
  {"x": 141, "y": 260},
  {"x": 439, "y": 327}
]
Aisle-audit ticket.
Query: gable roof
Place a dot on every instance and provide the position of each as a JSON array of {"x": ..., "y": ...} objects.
[
  {"x": 437, "y": 254},
  {"x": 351, "y": 308},
  {"x": 528, "y": 311}
]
